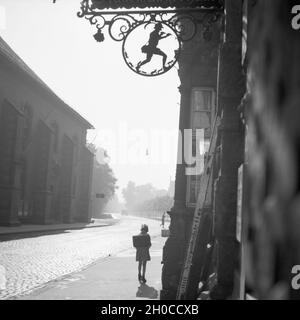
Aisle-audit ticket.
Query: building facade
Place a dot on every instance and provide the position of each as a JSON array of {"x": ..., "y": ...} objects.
[
  {"x": 45, "y": 167},
  {"x": 198, "y": 69},
  {"x": 247, "y": 242}
]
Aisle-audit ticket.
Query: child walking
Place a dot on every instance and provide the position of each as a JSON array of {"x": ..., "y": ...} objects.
[{"x": 142, "y": 243}]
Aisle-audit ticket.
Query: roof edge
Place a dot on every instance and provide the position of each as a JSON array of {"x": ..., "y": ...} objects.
[{"x": 20, "y": 64}]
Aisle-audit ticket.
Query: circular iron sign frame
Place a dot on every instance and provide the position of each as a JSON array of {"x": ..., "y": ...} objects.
[{"x": 152, "y": 50}]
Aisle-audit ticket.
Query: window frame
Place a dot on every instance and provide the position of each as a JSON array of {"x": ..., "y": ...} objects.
[{"x": 195, "y": 179}]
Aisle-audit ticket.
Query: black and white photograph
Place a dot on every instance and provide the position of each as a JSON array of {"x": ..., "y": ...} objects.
[{"x": 149, "y": 152}]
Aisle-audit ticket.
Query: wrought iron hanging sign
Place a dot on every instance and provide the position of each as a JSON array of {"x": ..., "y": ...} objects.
[{"x": 151, "y": 31}]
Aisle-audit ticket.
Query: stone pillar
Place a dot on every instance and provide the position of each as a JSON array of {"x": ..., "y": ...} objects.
[
  {"x": 174, "y": 249},
  {"x": 231, "y": 87},
  {"x": 42, "y": 195},
  {"x": 84, "y": 212},
  {"x": 10, "y": 164},
  {"x": 197, "y": 68},
  {"x": 66, "y": 180}
]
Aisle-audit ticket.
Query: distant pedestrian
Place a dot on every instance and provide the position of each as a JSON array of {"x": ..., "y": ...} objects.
[{"x": 142, "y": 243}]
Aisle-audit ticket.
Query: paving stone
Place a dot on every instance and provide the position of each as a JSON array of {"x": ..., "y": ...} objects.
[{"x": 32, "y": 262}]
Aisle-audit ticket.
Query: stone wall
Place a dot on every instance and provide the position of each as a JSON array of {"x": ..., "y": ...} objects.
[
  {"x": 273, "y": 150},
  {"x": 41, "y": 124}
]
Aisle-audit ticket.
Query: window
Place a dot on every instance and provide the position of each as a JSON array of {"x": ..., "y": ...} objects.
[
  {"x": 74, "y": 186},
  {"x": 202, "y": 112},
  {"x": 202, "y": 100},
  {"x": 55, "y": 136},
  {"x": 76, "y": 148},
  {"x": 27, "y": 125}
]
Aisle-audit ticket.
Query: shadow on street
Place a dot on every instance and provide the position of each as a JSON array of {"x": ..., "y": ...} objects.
[{"x": 145, "y": 291}]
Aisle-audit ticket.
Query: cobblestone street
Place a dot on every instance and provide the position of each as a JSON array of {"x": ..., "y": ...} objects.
[{"x": 36, "y": 259}]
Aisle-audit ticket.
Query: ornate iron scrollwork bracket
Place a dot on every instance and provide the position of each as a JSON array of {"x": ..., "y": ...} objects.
[{"x": 180, "y": 24}]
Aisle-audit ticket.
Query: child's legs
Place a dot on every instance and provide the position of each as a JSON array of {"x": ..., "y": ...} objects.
[
  {"x": 144, "y": 267},
  {"x": 140, "y": 267}
]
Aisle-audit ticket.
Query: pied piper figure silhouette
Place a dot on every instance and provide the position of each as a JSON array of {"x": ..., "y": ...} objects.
[{"x": 151, "y": 48}]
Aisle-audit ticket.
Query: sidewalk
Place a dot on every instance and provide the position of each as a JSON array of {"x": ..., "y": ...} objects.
[
  {"x": 113, "y": 278},
  {"x": 32, "y": 228}
]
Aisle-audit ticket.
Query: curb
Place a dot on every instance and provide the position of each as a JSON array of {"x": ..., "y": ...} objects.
[{"x": 8, "y": 233}]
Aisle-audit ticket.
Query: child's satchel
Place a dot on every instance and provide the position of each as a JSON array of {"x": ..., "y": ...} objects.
[{"x": 140, "y": 241}]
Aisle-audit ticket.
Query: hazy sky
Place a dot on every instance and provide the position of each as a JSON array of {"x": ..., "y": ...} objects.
[{"x": 94, "y": 79}]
